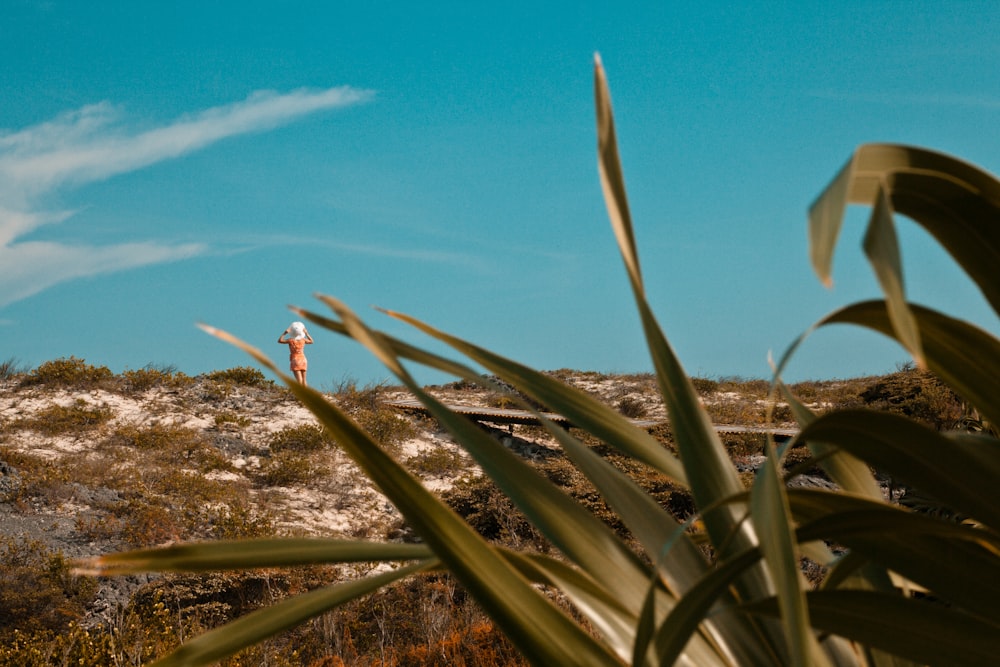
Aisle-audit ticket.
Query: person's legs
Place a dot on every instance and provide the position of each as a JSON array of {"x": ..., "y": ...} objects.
[{"x": 300, "y": 376}]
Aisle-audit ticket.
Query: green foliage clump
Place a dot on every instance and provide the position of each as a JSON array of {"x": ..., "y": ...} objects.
[
  {"x": 69, "y": 373},
  {"x": 226, "y": 417},
  {"x": 705, "y": 385},
  {"x": 919, "y": 395},
  {"x": 302, "y": 438},
  {"x": 37, "y": 590},
  {"x": 632, "y": 407},
  {"x": 245, "y": 376},
  {"x": 289, "y": 468},
  {"x": 438, "y": 461},
  {"x": 132, "y": 382},
  {"x": 78, "y": 417}
]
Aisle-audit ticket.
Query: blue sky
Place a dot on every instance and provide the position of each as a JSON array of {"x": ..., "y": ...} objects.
[{"x": 163, "y": 164}]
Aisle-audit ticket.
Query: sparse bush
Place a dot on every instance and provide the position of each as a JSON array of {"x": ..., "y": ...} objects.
[
  {"x": 439, "y": 461},
  {"x": 365, "y": 406},
  {"x": 227, "y": 417},
  {"x": 704, "y": 385},
  {"x": 387, "y": 427},
  {"x": 11, "y": 368},
  {"x": 240, "y": 521}
]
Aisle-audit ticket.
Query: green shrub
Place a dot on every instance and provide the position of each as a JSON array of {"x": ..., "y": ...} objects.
[
  {"x": 918, "y": 395},
  {"x": 69, "y": 373},
  {"x": 245, "y": 376},
  {"x": 289, "y": 468},
  {"x": 227, "y": 417},
  {"x": 303, "y": 438},
  {"x": 37, "y": 590},
  {"x": 705, "y": 385},
  {"x": 78, "y": 417},
  {"x": 132, "y": 382},
  {"x": 632, "y": 407}
]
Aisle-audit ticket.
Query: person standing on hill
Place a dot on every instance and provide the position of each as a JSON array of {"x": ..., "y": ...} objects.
[{"x": 296, "y": 338}]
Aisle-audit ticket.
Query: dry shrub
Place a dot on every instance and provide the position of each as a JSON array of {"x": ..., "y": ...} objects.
[
  {"x": 422, "y": 622},
  {"x": 303, "y": 438},
  {"x": 69, "y": 373},
  {"x": 245, "y": 376},
  {"x": 132, "y": 382},
  {"x": 632, "y": 407},
  {"x": 37, "y": 590},
  {"x": 916, "y": 394},
  {"x": 79, "y": 418}
]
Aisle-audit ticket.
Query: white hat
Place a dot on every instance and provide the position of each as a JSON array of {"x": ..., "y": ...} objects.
[{"x": 297, "y": 330}]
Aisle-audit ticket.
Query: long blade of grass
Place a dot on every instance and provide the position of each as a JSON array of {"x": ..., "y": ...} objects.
[
  {"x": 960, "y": 473},
  {"x": 777, "y": 544},
  {"x": 956, "y": 202},
  {"x": 542, "y": 632},
  {"x": 239, "y": 554},
  {"x": 922, "y": 631},
  {"x": 255, "y": 627},
  {"x": 710, "y": 474},
  {"x": 675, "y": 631},
  {"x": 882, "y": 250}
]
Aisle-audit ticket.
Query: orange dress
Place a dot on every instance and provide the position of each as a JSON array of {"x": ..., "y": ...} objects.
[{"x": 296, "y": 355}]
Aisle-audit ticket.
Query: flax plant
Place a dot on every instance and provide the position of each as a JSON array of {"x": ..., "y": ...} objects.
[{"x": 905, "y": 588}]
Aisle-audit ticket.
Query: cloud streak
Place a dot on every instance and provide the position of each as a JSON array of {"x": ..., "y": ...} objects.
[{"x": 93, "y": 144}]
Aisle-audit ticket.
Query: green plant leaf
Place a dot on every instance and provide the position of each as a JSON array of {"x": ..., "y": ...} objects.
[
  {"x": 958, "y": 203},
  {"x": 882, "y": 249},
  {"x": 235, "y": 554},
  {"x": 709, "y": 472},
  {"x": 959, "y": 472},
  {"x": 257, "y": 626},
  {"x": 922, "y": 631},
  {"x": 777, "y": 544},
  {"x": 957, "y": 562}
]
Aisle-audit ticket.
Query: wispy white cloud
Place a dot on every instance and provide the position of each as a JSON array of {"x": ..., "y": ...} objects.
[{"x": 95, "y": 143}]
